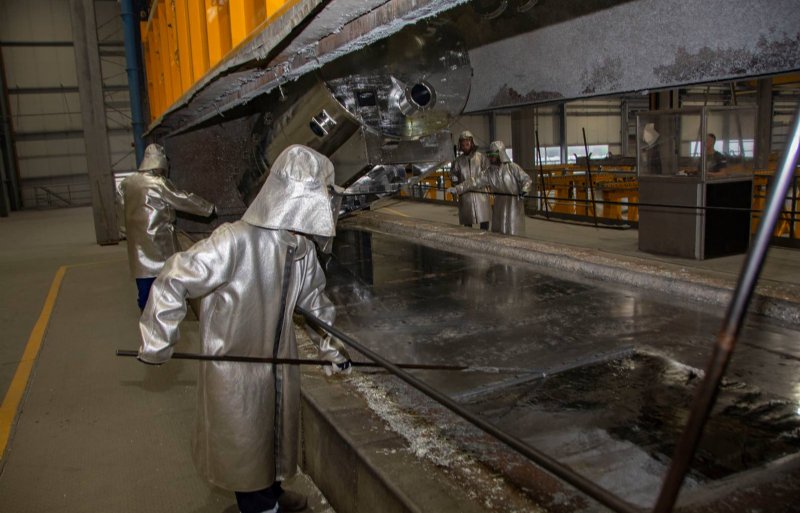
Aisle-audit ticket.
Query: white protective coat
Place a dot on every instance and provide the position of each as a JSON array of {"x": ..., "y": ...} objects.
[
  {"x": 508, "y": 182},
  {"x": 150, "y": 202},
  {"x": 250, "y": 275}
]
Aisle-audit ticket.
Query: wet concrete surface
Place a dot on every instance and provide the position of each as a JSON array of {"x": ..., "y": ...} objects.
[{"x": 594, "y": 374}]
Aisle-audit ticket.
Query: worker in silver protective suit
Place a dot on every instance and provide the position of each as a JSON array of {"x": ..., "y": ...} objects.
[
  {"x": 473, "y": 207},
  {"x": 509, "y": 183},
  {"x": 149, "y": 202},
  {"x": 249, "y": 275}
]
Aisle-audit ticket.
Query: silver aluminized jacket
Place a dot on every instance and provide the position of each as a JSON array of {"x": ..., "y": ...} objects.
[
  {"x": 150, "y": 202},
  {"x": 250, "y": 275},
  {"x": 473, "y": 207},
  {"x": 507, "y": 181}
]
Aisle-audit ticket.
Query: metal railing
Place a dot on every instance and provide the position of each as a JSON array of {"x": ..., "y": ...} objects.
[
  {"x": 787, "y": 229},
  {"x": 56, "y": 196},
  {"x": 567, "y": 196}
]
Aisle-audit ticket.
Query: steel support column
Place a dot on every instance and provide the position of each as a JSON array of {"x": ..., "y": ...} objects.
[
  {"x": 10, "y": 198},
  {"x": 492, "y": 127},
  {"x": 523, "y": 139},
  {"x": 93, "y": 115},
  {"x": 562, "y": 132},
  {"x": 764, "y": 123},
  {"x": 133, "y": 66}
]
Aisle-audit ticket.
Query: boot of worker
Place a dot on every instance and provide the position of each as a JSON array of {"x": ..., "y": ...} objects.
[{"x": 292, "y": 501}]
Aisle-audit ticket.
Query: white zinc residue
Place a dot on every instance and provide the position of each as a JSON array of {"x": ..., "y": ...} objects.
[
  {"x": 424, "y": 440},
  {"x": 427, "y": 443}
]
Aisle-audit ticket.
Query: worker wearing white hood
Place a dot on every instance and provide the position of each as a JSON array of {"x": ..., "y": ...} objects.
[
  {"x": 509, "y": 183},
  {"x": 150, "y": 201},
  {"x": 250, "y": 274},
  {"x": 473, "y": 207}
]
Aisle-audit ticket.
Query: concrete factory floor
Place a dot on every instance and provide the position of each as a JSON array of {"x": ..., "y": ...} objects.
[{"x": 619, "y": 335}]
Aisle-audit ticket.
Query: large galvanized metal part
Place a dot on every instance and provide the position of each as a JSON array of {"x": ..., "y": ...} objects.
[{"x": 388, "y": 104}]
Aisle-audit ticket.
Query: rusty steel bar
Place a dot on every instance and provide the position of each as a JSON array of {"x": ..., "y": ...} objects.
[
  {"x": 589, "y": 173},
  {"x": 559, "y": 470},
  {"x": 706, "y": 394},
  {"x": 290, "y": 361},
  {"x": 541, "y": 177}
]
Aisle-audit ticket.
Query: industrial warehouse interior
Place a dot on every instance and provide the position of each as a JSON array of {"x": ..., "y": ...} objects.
[{"x": 615, "y": 327}]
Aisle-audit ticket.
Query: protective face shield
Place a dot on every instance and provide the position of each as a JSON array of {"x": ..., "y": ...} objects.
[
  {"x": 325, "y": 244},
  {"x": 497, "y": 153},
  {"x": 466, "y": 143},
  {"x": 296, "y": 195}
]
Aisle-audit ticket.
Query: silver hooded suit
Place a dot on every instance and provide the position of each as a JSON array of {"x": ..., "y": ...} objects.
[
  {"x": 507, "y": 181},
  {"x": 473, "y": 207},
  {"x": 150, "y": 202},
  {"x": 250, "y": 274}
]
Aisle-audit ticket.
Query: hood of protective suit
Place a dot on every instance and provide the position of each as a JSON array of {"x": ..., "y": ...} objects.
[
  {"x": 499, "y": 147},
  {"x": 297, "y": 194},
  {"x": 649, "y": 135},
  {"x": 154, "y": 158},
  {"x": 467, "y": 135}
]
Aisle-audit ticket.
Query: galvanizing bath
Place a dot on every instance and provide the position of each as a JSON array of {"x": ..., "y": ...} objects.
[{"x": 594, "y": 374}]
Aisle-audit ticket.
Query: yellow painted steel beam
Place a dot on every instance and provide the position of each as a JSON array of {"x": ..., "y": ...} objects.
[
  {"x": 219, "y": 30},
  {"x": 147, "y": 56},
  {"x": 184, "y": 39},
  {"x": 152, "y": 89},
  {"x": 273, "y": 6},
  {"x": 163, "y": 46},
  {"x": 245, "y": 16},
  {"x": 185, "y": 57},
  {"x": 172, "y": 46},
  {"x": 148, "y": 73},
  {"x": 198, "y": 35},
  {"x": 158, "y": 69}
]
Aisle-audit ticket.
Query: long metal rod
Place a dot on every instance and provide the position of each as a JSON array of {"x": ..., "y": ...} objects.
[
  {"x": 290, "y": 361},
  {"x": 706, "y": 394},
  {"x": 627, "y": 203},
  {"x": 314, "y": 361},
  {"x": 559, "y": 470},
  {"x": 589, "y": 172},
  {"x": 541, "y": 177}
]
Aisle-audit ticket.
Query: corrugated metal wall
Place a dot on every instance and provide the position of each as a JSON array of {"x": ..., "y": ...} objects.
[{"x": 36, "y": 40}]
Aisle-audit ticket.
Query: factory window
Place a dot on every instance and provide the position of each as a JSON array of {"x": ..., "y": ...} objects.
[
  {"x": 732, "y": 147},
  {"x": 596, "y": 151},
  {"x": 739, "y": 148},
  {"x": 550, "y": 155}
]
